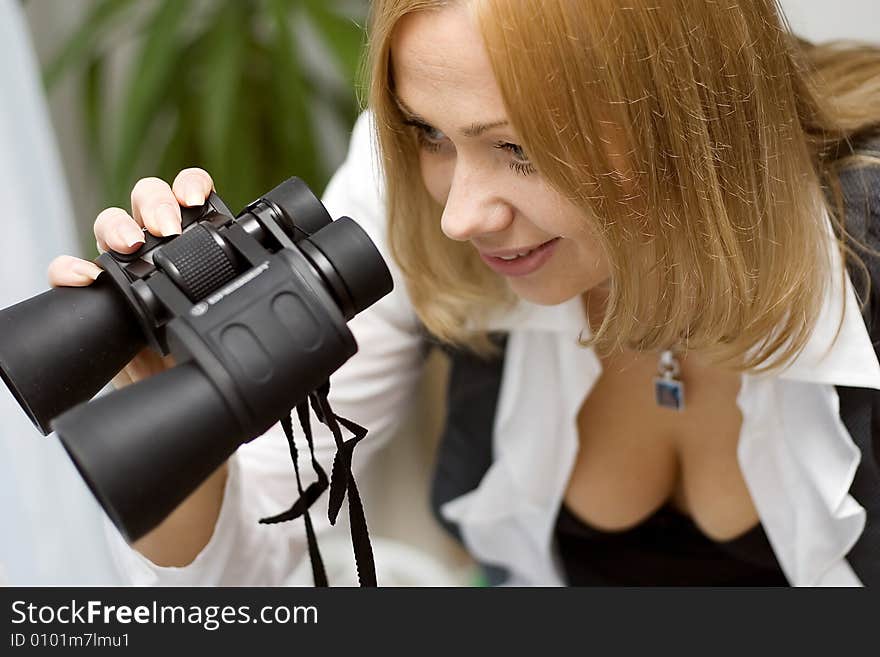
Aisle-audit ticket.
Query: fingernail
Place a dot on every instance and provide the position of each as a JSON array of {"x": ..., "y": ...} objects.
[
  {"x": 130, "y": 235},
  {"x": 87, "y": 269},
  {"x": 166, "y": 218},
  {"x": 193, "y": 194}
]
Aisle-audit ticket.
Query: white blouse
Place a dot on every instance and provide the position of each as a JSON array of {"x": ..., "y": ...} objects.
[{"x": 796, "y": 456}]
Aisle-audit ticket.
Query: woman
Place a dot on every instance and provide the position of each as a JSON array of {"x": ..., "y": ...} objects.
[{"x": 620, "y": 235}]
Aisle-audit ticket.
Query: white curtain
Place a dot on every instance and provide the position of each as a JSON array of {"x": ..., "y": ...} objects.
[{"x": 50, "y": 531}]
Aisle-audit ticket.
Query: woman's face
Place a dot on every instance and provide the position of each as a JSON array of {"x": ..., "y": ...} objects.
[{"x": 472, "y": 165}]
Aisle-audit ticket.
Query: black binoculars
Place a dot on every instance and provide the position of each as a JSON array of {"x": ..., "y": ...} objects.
[{"x": 253, "y": 308}]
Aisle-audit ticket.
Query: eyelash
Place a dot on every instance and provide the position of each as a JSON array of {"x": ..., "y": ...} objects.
[{"x": 521, "y": 165}]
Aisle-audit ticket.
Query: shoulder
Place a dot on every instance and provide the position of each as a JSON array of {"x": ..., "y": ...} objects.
[
  {"x": 357, "y": 187},
  {"x": 860, "y": 186},
  {"x": 860, "y": 189}
]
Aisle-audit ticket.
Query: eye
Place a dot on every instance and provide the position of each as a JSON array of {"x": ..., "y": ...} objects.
[
  {"x": 429, "y": 138},
  {"x": 520, "y": 162}
]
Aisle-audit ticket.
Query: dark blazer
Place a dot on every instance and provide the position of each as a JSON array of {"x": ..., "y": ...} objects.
[
  {"x": 465, "y": 451},
  {"x": 860, "y": 407}
]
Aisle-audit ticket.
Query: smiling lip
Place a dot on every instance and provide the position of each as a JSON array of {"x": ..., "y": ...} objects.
[{"x": 524, "y": 265}]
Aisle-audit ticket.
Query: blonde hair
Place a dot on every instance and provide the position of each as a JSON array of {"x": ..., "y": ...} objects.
[{"x": 698, "y": 139}]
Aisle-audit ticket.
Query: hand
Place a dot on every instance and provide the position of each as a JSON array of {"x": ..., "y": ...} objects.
[{"x": 155, "y": 207}]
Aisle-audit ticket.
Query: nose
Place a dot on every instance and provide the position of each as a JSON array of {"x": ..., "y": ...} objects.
[{"x": 473, "y": 206}]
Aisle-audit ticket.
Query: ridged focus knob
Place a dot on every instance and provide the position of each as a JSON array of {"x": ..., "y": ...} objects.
[{"x": 197, "y": 262}]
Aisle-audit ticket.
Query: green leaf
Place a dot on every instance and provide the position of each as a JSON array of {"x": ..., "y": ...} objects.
[
  {"x": 80, "y": 45},
  {"x": 182, "y": 114},
  {"x": 290, "y": 110},
  {"x": 246, "y": 161},
  {"x": 93, "y": 111},
  {"x": 217, "y": 84},
  {"x": 147, "y": 89},
  {"x": 224, "y": 48},
  {"x": 177, "y": 149},
  {"x": 344, "y": 36}
]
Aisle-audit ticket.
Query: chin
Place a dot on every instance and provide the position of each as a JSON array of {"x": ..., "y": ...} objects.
[{"x": 543, "y": 295}]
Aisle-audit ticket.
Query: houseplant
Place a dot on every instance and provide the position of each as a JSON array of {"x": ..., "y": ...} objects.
[{"x": 254, "y": 91}]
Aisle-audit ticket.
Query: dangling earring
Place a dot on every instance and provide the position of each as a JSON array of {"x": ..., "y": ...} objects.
[{"x": 668, "y": 388}]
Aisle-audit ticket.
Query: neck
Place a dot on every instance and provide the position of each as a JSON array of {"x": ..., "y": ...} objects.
[{"x": 595, "y": 301}]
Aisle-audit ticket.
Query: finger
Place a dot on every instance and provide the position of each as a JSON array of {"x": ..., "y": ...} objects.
[
  {"x": 114, "y": 229},
  {"x": 192, "y": 186},
  {"x": 68, "y": 271},
  {"x": 154, "y": 205},
  {"x": 122, "y": 379},
  {"x": 147, "y": 363}
]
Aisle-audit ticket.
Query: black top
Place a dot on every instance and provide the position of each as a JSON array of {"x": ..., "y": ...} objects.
[{"x": 667, "y": 549}]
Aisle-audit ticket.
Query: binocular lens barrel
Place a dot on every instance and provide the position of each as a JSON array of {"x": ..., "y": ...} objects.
[
  {"x": 355, "y": 261},
  {"x": 61, "y": 347},
  {"x": 139, "y": 482}
]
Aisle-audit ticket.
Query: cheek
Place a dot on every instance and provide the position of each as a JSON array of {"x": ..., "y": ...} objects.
[
  {"x": 436, "y": 177},
  {"x": 577, "y": 267},
  {"x": 588, "y": 256}
]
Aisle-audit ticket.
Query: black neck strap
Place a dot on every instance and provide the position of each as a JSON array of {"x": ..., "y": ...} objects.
[{"x": 341, "y": 481}]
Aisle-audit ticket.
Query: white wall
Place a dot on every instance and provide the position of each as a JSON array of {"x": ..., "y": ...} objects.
[{"x": 823, "y": 20}]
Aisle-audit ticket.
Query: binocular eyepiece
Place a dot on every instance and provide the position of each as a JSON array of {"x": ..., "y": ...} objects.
[{"x": 253, "y": 309}]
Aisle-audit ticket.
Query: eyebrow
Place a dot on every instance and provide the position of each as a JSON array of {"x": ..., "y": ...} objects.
[{"x": 473, "y": 130}]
